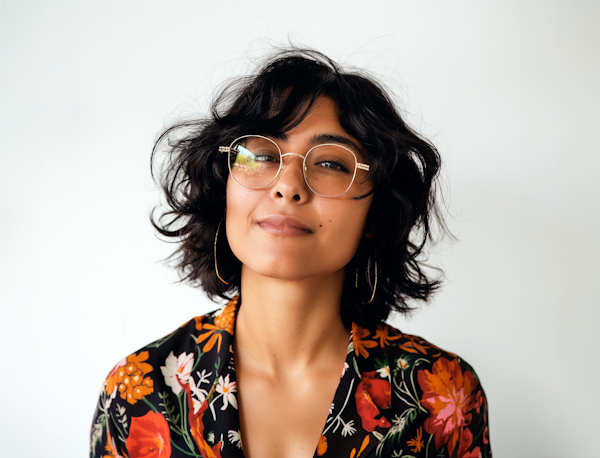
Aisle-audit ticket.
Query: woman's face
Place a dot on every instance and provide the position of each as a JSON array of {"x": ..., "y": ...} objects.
[{"x": 286, "y": 231}]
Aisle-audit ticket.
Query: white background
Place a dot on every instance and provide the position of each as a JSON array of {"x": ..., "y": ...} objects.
[{"x": 508, "y": 91}]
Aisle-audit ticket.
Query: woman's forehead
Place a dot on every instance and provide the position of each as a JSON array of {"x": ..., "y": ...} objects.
[{"x": 321, "y": 125}]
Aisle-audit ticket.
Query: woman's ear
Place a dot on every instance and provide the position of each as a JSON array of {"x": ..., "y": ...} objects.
[{"x": 370, "y": 232}]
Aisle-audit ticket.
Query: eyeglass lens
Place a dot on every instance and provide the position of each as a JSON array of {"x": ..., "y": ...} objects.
[{"x": 255, "y": 162}]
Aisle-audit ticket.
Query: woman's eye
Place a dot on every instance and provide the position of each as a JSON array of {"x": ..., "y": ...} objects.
[
  {"x": 332, "y": 165},
  {"x": 268, "y": 157}
]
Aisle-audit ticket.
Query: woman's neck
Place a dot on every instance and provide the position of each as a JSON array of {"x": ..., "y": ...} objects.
[{"x": 284, "y": 328}]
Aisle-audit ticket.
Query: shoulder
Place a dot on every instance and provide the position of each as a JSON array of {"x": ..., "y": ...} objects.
[
  {"x": 197, "y": 336},
  {"x": 435, "y": 396},
  {"x": 134, "y": 376},
  {"x": 431, "y": 366},
  {"x": 401, "y": 351},
  {"x": 144, "y": 386}
]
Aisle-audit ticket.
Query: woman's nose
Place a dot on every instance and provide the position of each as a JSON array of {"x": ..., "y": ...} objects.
[{"x": 290, "y": 184}]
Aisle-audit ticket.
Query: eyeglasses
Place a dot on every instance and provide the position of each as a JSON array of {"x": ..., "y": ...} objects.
[{"x": 256, "y": 161}]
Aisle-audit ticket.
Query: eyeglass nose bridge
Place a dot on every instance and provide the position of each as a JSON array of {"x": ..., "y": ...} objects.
[{"x": 292, "y": 154}]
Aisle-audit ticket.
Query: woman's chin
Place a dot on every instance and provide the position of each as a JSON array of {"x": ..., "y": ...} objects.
[{"x": 285, "y": 272}]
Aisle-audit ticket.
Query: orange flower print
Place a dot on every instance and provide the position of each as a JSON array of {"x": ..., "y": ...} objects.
[
  {"x": 149, "y": 437},
  {"x": 129, "y": 378},
  {"x": 223, "y": 322},
  {"x": 448, "y": 396},
  {"x": 322, "y": 446},
  {"x": 364, "y": 444},
  {"x": 113, "y": 378},
  {"x": 361, "y": 345},
  {"x": 412, "y": 346},
  {"x": 382, "y": 334},
  {"x": 372, "y": 394},
  {"x": 110, "y": 447},
  {"x": 417, "y": 442}
]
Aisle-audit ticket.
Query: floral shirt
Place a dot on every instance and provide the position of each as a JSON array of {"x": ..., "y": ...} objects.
[{"x": 398, "y": 396}]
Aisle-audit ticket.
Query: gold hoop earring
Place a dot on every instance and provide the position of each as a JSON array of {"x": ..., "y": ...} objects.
[
  {"x": 215, "y": 249},
  {"x": 374, "y": 285}
]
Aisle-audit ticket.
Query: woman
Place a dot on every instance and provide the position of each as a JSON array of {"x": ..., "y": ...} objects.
[{"x": 306, "y": 201}]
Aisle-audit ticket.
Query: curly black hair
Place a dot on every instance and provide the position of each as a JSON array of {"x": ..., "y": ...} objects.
[{"x": 404, "y": 168}]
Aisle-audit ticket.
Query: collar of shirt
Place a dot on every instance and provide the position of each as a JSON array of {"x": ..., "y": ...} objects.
[{"x": 357, "y": 419}]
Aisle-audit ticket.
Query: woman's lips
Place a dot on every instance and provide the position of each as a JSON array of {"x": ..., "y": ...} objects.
[{"x": 283, "y": 225}]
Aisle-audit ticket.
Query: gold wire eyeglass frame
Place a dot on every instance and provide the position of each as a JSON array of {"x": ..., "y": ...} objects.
[{"x": 230, "y": 150}]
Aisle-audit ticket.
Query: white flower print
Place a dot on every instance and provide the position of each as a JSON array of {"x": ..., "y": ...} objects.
[
  {"x": 402, "y": 363},
  {"x": 199, "y": 394},
  {"x": 203, "y": 377},
  {"x": 177, "y": 370},
  {"x": 227, "y": 388},
  {"x": 337, "y": 421},
  {"x": 384, "y": 372},
  {"x": 348, "y": 428},
  {"x": 346, "y": 367},
  {"x": 111, "y": 397},
  {"x": 197, "y": 404},
  {"x": 235, "y": 438},
  {"x": 398, "y": 423}
]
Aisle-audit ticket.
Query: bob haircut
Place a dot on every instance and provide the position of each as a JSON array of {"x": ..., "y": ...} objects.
[{"x": 403, "y": 169}]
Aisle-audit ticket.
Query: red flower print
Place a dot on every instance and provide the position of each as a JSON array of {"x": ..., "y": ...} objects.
[
  {"x": 478, "y": 401},
  {"x": 149, "y": 437},
  {"x": 448, "y": 395},
  {"x": 372, "y": 394},
  {"x": 195, "y": 419},
  {"x": 464, "y": 442},
  {"x": 475, "y": 453},
  {"x": 379, "y": 389}
]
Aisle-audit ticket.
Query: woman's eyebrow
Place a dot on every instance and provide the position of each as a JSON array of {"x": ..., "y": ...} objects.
[
  {"x": 319, "y": 139},
  {"x": 334, "y": 138}
]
